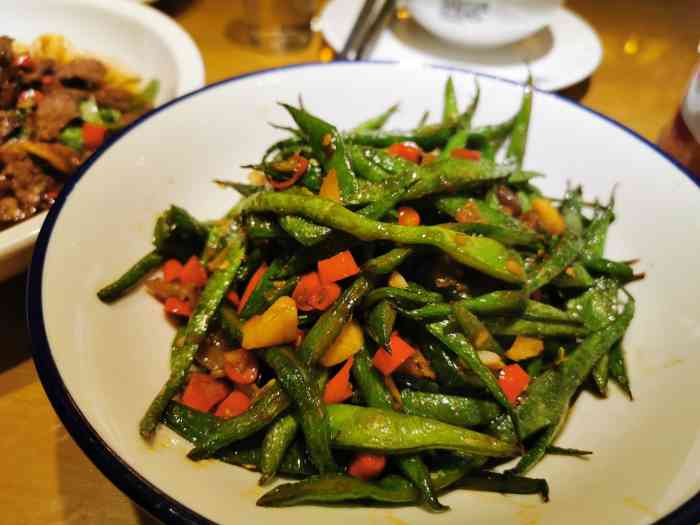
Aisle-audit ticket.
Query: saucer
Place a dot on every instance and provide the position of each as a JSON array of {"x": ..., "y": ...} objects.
[{"x": 560, "y": 55}]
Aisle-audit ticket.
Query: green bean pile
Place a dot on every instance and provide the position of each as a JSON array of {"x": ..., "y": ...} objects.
[{"x": 489, "y": 264}]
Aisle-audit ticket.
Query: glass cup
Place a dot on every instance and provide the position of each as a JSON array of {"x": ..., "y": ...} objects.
[{"x": 275, "y": 25}]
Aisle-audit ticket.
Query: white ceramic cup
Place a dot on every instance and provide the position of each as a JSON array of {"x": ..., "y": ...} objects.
[{"x": 483, "y": 23}]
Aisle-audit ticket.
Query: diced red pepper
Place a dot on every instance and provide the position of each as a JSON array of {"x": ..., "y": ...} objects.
[
  {"x": 338, "y": 388},
  {"x": 172, "y": 269},
  {"x": 408, "y": 216},
  {"x": 234, "y": 405},
  {"x": 338, "y": 267},
  {"x": 241, "y": 366},
  {"x": 203, "y": 392},
  {"x": 93, "y": 135},
  {"x": 406, "y": 150},
  {"x": 513, "y": 380},
  {"x": 387, "y": 362},
  {"x": 194, "y": 273},
  {"x": 311, "y": 294},
  {"x": 366, "y": 466},
  {"x": 465, "y": 154},
  {"x": 176, "y": 306}
]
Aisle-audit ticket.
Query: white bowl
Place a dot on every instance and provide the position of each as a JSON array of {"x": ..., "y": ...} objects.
[
  {"x": 477, "y": 23},
  {"x": 139, "y": 38},
  {"x": 101, "y": 365}
]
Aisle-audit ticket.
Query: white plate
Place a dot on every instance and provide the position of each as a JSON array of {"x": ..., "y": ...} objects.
[
  {"x": 139, "y": 38},
  {"x": 101, "y": 365},
  {"x": 566, "y": 52}
]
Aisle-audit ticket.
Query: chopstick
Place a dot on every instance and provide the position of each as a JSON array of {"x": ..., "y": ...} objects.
[{"x": 366, "y": 29}]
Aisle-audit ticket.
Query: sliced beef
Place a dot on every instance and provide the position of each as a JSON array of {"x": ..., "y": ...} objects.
[
  {"x": 9, "y": 121},
  {"x": 54, "y": 112},
  {"x": 9, "y": 210},
  {"x": 42, "y": 67},
  {"x": 83, "y": 70},
  {"x": 9, "y": 86},
  {"x": 25, "y": 190},
  {"x": 115, "y": 98}
]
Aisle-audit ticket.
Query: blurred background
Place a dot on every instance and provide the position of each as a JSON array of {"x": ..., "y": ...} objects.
[{"x": 629, "y": 59}]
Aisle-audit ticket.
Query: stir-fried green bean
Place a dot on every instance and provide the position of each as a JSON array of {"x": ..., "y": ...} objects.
[{"x": 346, "y": 322}]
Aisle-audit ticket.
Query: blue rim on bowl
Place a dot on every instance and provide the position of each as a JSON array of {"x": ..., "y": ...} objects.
[{"x": 110, "y": 464}]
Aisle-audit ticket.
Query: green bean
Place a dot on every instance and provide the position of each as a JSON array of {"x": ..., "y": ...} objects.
[
  {"x": 388, "y": 262},
  {"x": 601, "y": 265},
  {"x": 230, "y": 324},
  {"x": 450, "y": 175},
  {"x": 415, "y": 383},
  {"x": 549, "y": 394},
  {"x": 339, "y": 488},
  {"x": 380, "y": 322},
  {"x": 277, "y": 441},
  {"x": 178, "y": 234},
  {"x": 518, "y": 138},
  {"x": 537, "y": 311},
  {"x": 481, "y": 253},
  {"x": 219, "y": 236},
  {"x": 266, "y": 291},
  {"x": 534, "y": 366},
  {"x": 303, "y": 231},
  {"x": 475, "y": 216},
  {"x": 501, "y": 326},
  {"x": 364, "y": 167},
  {"x": 575, "y": 276},
  {"x": 386, "y": 432},
  {"x": 455, "y": 410},
  {"x": 245, "y": 190},
  {"x": 562, "y": 255},
  {"x": 459, "y": 139},
  {"x": 559, "y": 451},
  {"x": 479, "y": 336},
  {"x": 450, "y": 111},
  {"x": 330, "y": 324},
  {"x": 259, "y": 227},
  {"x": 378, "y": 121},
  {"x": 297, "y": 382},
  {"x": 376, "y": 395},
  {"x": 504, "y": 484},
  {"x": 618, "y": 369},
  {"x": 132, "y": 276},
  {"x": 423, "y": 120},
  {"x": 195, "y": 426},
  {"x": 313, "y": 178},
  {"x": 405, "y": 170},
  {"x": 294, "y": 463},
  {"x": 329, "y": 146},
  {"x": 496, "y": 133},
  {"x": 601, "y": 374},
  {"x": 571, "y": 211},
  {"x": 448, "y": 334},
  {"x": 269, "y": 404},
  {"x": 176, "y": 347},
  {"x": 427, "y": 138},
  {"x": 539, "y": 449},
  {"x": 283, "y": 146},
  {"x": 449, "y": 373},
  {"x": 213, "y": 293},
  {"x": 414, "y": 295}
]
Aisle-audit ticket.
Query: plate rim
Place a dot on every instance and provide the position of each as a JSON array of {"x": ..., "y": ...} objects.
[{"x": 114, "y": 467}]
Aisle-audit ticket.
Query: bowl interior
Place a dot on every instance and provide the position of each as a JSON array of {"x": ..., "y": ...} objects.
[{"x": 113, "y": 359}]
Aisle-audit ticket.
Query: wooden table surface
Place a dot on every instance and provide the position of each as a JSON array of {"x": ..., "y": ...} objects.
[{"x": 649, "y": 50}]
